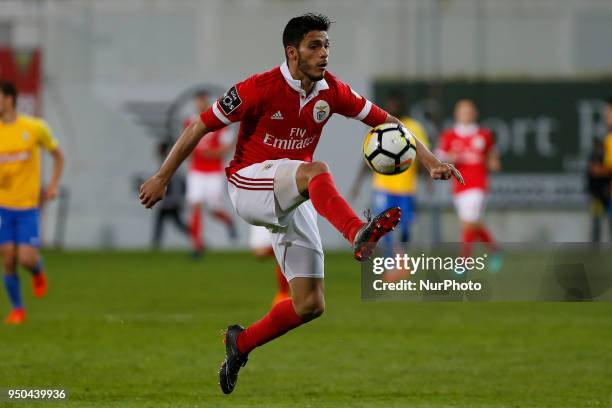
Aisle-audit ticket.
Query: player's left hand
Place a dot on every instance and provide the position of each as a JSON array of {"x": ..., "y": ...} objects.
[
  {"x": 444, "y": 171},
  {"x": 152, "y": 191}
]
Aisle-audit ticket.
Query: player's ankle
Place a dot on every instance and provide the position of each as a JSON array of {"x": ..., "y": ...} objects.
[{"x": 353, "y": 229}]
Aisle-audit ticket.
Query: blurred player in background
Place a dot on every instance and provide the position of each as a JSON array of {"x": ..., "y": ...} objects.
[
  {"x": 21, "y": 138},
  {"x": 598, "y": 186},
  {"x": 206, "y": 178},
  {"x": 608, "y": 159},
  {"x": 260, "y": 241},
  {"x": 471, "y": 149},
  {"x": 273, "y": 181},
  {"x": 397, "y": 190},
  {"x": 171, "y": 207}
]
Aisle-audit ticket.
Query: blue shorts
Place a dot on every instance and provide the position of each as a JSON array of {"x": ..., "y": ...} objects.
[
  {"x": 19, "y": 226},
  {"x": 383, "y": 200}
]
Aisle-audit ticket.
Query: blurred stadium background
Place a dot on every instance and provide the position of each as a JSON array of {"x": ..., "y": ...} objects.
[{"x": 106, "y": 73}]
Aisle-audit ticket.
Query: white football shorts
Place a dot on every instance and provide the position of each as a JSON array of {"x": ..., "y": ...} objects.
[
  {"x": 259, "y": 237},
  {"x": 205, "y": 188},
  {"x": 265, "y": 194},
  {"x": 470, "y": 204}
]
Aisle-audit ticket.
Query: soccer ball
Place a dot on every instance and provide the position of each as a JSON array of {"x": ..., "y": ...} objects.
[{"x": 389, "y": 148}]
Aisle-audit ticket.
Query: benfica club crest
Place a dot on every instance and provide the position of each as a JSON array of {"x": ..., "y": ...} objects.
[{"x": 320, "y": 112}]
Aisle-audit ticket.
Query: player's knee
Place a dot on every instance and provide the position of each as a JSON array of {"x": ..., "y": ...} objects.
[
  {"x": 9, "y": 261},
  {"x": 10, "y": 266},
  {"x": 306, "y": 172},
  {"x": 314, "y": 169},
  {"x": 319, "y": 167},
  {"x": 26, "y": 260},
  {"x": 310, "y": 308}
]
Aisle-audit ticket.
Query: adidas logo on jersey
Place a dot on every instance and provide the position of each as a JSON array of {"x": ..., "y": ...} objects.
[{"x": 277, "y": 116}]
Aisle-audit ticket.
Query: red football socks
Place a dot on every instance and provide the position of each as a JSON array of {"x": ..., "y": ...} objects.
[
  {"x": 468, "y": 237},
  {"x": 279, "y": 320},
  {"x": 330, "y": 204},
  {"x": 477, "y": 234},
  {"x": 485, "y": 236},
  {"x": 222, "y": 216},
  {"x": 195, "y": 230},
  {"x": 283, "y": 286}
]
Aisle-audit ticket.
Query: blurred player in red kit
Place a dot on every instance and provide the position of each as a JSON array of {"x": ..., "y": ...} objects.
[
  {"x": 206, "y": 179},
  {"x": 274, "y": 182},
  {"x": 471, "y": 149}
]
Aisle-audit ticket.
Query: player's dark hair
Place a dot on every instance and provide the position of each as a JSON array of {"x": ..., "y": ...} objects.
[
  {"x": 609, "y": 101},
  {"x": 203, "y": 93},
  {"x": 8, "y": 89},
  {"x": 297, "y": 28}
]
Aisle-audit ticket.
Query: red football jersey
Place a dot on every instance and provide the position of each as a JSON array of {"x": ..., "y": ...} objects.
[
  {"x": 211, "y": 140},
  {"x": 278, "y": 120},
  {"x": 470, "y": 146}
]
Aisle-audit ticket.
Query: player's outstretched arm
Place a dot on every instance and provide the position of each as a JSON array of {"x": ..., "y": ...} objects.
[
  {"x": 58, "y": 165},
  {"x": 493, "y": 161},
  {"x": 154, "y": 189},
  {"x": 437, "y": 170}
]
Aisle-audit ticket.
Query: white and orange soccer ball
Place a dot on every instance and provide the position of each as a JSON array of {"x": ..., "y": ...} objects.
[{"x": 389, "y": 148}]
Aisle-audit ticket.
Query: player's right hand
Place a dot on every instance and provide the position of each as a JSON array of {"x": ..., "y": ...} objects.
[
  {"x": 152, "y": 191},
  {"x": 444, "y": 171}
]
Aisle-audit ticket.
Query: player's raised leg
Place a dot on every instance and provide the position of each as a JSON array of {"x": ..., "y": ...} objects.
[
  {"x": 11, "y": 283},
  {"x": 314, "y": 180}
]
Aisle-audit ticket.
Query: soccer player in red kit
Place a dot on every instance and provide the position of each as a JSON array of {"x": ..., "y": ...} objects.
[
  {"x": 205, "y": 178},
  {"x": 273, "y": 181},
  {"x": 472, "y": 150}
]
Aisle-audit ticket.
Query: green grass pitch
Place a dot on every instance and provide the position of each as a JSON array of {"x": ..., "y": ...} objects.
[{"x": 137, "y": 329}]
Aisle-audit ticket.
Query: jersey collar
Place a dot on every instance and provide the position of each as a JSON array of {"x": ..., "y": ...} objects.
[
  {"x": 465, "y": 130},
  {"x": 296, "y": 85}
]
